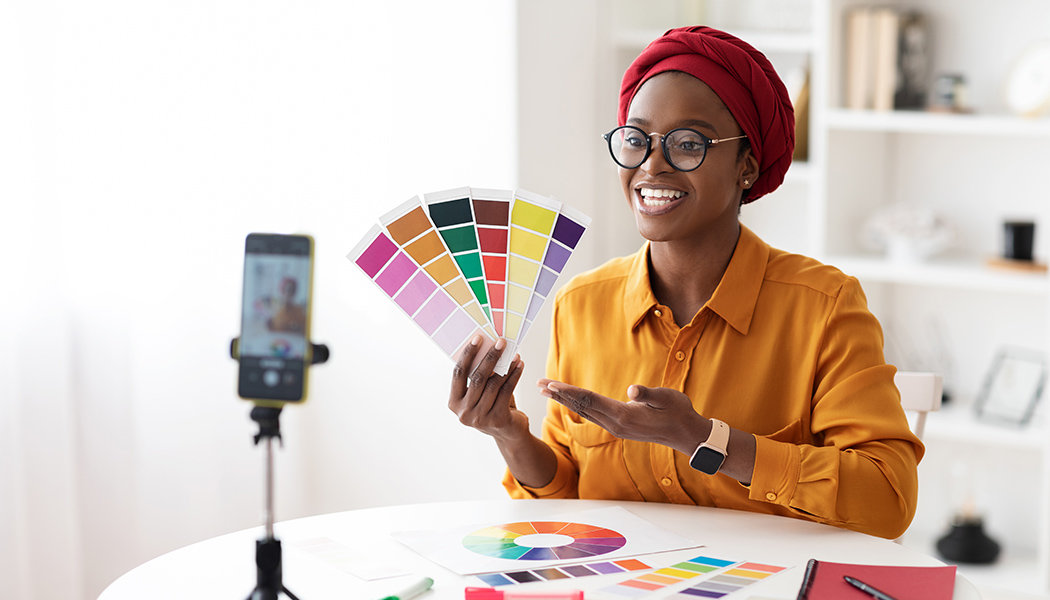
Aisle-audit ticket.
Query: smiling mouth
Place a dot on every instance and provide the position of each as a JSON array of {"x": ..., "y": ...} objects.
[{"x": 658, "y": 201}]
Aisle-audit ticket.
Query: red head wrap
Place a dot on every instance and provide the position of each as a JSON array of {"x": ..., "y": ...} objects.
[{"x": 745, "y": 81}]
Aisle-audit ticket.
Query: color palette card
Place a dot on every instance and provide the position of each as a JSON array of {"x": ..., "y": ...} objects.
[
  {"x": 709, "y": 576},
  {"x": 492, "y": 220},
  {"x": 602, "y": 567},
  {"x": 600, "y": 535},
  {"x": 494, "y": 254}
]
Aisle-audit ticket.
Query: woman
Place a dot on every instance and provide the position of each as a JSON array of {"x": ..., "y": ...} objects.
[{"x": 708, "y": 368}]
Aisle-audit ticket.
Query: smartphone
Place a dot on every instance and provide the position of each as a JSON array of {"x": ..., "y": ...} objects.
[{"x": 274, "y": 346}]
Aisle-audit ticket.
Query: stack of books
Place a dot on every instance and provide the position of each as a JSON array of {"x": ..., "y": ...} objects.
[{"x": 887, "y": 59}]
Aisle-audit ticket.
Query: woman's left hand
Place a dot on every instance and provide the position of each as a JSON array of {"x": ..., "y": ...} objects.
[{"x": 659, "y": 415}]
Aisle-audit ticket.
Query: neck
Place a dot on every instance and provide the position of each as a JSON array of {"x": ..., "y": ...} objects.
[{"x": 685, "y": 273}]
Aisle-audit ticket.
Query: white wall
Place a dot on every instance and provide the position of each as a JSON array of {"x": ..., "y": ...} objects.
[{"x": 142, "y": 141}]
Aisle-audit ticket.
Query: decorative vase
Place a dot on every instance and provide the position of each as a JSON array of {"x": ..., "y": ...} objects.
[{"x": 966, "y": 542}]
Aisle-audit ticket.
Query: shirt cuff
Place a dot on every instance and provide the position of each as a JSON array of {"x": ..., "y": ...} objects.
[{"x": 777, "y": 466}]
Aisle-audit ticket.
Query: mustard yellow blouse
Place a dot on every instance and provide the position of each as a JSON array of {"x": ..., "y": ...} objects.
[{"x": 786, "y": 349}]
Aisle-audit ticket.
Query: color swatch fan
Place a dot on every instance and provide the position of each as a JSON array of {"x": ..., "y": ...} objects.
[{"x": 471, "y": 261}]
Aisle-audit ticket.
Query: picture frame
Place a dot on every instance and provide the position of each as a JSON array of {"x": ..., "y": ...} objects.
[{"x": 1012, "y": 387}]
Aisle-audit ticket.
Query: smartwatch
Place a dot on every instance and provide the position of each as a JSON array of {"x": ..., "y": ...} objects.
[{"x": 711, "y": 452}]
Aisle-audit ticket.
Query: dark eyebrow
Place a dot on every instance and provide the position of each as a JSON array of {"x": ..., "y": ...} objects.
[{"x": 691, "y": 123}]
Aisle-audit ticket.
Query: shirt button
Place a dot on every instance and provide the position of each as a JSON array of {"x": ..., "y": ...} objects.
[
  {"x": 771, "y": 496},
  {"x": 666, "y": 481},
  {"x": 658, "y": 312},
  {"x": 680, "y": 355}
]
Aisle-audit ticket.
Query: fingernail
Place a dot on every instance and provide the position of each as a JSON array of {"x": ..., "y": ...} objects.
[
  {"x": 552, "y": 387},
  {"x": 474, "y": 341},
  {"x": 501, "y": 344},
  {"x": 633, "y": 392}
]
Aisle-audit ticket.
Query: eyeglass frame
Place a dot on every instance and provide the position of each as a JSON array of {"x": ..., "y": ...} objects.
[{"x": 708, "y": 142}]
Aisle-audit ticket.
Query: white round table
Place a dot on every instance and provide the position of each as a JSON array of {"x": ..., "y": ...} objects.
[{"x": 224, "y": 567}]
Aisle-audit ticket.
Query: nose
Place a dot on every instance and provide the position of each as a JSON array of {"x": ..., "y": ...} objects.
[{"x": 656, "y": 162}]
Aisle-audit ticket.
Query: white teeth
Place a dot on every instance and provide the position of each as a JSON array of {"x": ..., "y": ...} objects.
[
  {"x": 654, "y": 197},
  {"x": 646, "y": 192}
]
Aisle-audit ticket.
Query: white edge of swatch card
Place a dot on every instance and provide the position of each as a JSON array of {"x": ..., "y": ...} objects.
[
  {"x": 491, "y": 194},
  {"x": 535, "y": 198},
  {"x": 400, "y": 211},
  {"x": 576, "y": 215},
  {"x": 366, "y": 241},
  {"x": 503, "y": 364},
  {"x": 446, "y": 195}
]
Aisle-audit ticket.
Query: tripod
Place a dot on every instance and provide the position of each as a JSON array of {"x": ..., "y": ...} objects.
[{"x": 268, "y": 571}]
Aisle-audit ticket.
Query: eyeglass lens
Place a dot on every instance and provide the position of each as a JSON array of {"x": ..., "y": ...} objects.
[{"x": 683, "y": 148}]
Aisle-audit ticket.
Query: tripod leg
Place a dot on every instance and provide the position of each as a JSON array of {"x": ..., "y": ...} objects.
[{"x": 268, "y": 585}]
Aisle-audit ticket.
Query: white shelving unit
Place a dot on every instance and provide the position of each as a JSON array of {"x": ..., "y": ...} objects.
[{"x": 976, "y": 170}]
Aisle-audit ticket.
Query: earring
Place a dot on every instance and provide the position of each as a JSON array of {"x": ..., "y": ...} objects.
[{"x": 747, "y": 182}]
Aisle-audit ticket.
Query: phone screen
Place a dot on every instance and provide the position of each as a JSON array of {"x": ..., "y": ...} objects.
[{"x": 275, "y": 317}]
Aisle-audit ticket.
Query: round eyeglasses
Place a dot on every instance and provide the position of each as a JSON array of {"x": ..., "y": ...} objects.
[{"x": 683, "y": 148}]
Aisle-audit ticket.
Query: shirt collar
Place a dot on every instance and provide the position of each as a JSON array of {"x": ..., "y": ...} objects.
[{"x": 735, "y": 297}]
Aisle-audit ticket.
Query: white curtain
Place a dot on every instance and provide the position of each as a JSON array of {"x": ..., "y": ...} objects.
[{"x": 139, "y": 143}]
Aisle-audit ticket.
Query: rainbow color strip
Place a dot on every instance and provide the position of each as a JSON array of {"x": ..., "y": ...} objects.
[
  {"x": 495, "y": 254},
  {"x": 564, "y": 572},
  {"x": 729, "y": 577}
]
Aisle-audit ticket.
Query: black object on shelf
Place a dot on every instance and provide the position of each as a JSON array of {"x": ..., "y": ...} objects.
[{"x": 966, "y": 542}]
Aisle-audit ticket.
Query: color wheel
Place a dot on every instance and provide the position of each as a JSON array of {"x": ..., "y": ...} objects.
[{"x": 543, "y": 540}]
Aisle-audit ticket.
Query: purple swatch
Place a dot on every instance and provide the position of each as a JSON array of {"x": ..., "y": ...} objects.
[
  {"x": 534, "y": 307},
  {"x": 545, "y": 282},
  {"x": 556, "y": 257},
  {"x": 702, "y": 593},
  {"x": 605, "y": 568},
  {"x": 567, "y": 231}
]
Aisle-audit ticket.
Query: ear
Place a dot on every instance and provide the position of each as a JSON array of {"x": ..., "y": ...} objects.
[{"x": 748, "y": 171}]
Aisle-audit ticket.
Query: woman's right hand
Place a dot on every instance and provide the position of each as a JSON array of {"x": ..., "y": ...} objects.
[{"x": 484, "y": 400}]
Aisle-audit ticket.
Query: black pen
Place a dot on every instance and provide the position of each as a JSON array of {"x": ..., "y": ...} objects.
[{"x": 867, "y": 589}]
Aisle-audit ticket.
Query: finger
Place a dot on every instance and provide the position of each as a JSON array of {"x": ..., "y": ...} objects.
[
  {"x": 657, "y": 398},
  {"x": 462, "y": 368},
  {"x": 483, "y": 371},
  {"x": 505, "y": 398},
  {"x": 491, "y": 392},
  {"x": 578, "y": 399},
  {"x": 600, "y": 422}
]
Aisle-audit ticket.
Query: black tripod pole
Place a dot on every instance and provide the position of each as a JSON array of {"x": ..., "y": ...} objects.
[{"x": 268, "y": 583}]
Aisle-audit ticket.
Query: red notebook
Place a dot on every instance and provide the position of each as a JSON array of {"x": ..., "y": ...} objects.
[{"x": 823, "y": 581}]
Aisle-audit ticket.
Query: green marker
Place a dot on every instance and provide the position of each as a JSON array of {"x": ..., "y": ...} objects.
[{"x": 413, "y": 590}]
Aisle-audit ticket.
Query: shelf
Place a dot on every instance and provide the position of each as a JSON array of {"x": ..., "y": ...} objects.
[
  {"x": 959, "y": 424},
  {"x": 769, "y": 41},
  {"x": 939, "y": 123},
  {"x": 958, "y": 274}
]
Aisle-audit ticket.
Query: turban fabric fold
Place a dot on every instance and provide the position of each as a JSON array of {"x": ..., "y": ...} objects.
[{"x": 745, "y": 81}]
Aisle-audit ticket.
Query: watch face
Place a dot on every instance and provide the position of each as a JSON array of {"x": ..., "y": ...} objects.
[{"x": 707, "y": 460}]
